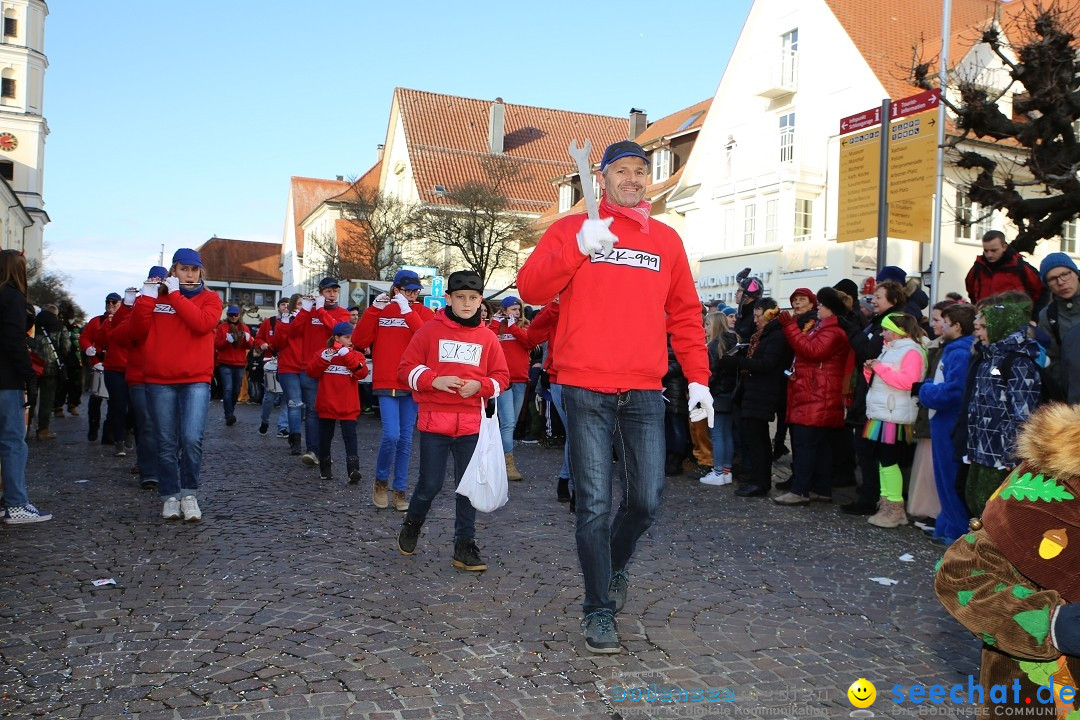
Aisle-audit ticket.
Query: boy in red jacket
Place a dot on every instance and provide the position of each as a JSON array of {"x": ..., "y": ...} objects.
[
  {"x": 338, "y": 369},
  {"x": 452, "y": 365},
  {"x": 231, "y": 340}
]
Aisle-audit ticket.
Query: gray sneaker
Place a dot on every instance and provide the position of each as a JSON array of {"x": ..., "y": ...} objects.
[
  {"x": 601, "y": 634},
  {"x": 616, "y": 589}
]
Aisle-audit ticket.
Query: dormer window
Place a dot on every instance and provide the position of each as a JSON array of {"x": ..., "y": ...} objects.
[
  {"x": 661, "y": 164},
  {"x": 566, "y": 197}
]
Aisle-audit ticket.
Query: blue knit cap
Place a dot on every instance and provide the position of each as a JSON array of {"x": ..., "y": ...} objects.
[
  {"x": 1056, "y": 260},
  {"x": 892, "y": 272}
]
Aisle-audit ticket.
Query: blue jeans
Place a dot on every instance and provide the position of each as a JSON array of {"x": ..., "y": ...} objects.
[
  {"x": 268, "y": 401},
  {"x": 116, "y": 384},
  {"x": 231, "y": 378},
  {"x": 435, "y": 450},
  {"x": 510, "y": 401},
  {"x": 13, "y": 447},
  {"x": 309, "y": 387},
  {"x": 634, "y": 421},
  {"x": 723, "y": 441},
  {"x": 398, "y": 415},
  {"x": 145, "y": 439},
  {"x": 179, "y": 416},
  {"x": 290, "y": 388},
  {"x": 557, "y": 401}
]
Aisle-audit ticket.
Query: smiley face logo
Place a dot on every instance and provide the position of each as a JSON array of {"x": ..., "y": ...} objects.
[{"x": 862, "y": 693}]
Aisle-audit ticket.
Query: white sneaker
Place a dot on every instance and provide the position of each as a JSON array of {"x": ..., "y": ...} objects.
[
  {"x": 22, "y": 514},
  {"x": 190, "y": 506},
  {"x": 309, "y": 458},
  {"x": 171, "y": 511},
  {"x": 715, "y": 478}
]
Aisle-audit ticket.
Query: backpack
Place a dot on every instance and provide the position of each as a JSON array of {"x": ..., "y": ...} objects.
[{"x": 1050, "y": 389}]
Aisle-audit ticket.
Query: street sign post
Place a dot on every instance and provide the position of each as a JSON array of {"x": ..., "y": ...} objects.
[
  {"x": 434, "y": 303},
  {"x": 438, "y": 282}
]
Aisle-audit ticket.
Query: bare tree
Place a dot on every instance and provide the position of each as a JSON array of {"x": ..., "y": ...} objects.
[
  {"x": 321, "y": 248},
  {"x": 478, "y": 225},
  {"x": 50, "y": 288},
  {"x": 376, "y": 230},
  {"x": 1044, "y": 72}
]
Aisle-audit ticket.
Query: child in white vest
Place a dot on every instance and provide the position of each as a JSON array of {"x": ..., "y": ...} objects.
[{"x": 891, "y": 409}]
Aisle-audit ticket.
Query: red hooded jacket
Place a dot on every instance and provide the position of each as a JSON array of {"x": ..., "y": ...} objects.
[
  {"x": 444, "y": 347},
  {"x": 516, "y": 343},
  {"x": 120, "y": 336},
  {"x": 387, "y": 332},
  {"x": 179, "y": 331},
  {"x": 338, "y": 398},
  {"x": 309, "y": 330},
  {"x": 232, "y": 353}
]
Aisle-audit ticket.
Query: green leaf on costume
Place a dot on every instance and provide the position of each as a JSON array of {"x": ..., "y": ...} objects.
[
  {"x": 1022, "y": 592},
  {"x": 975, "y": 573},
  {"x": 970, "y": 537},
  {"x": 989, "y": 639},
  {"x": 1039, "y": 672},
  {"x": 964, "y": 597},
  {"x": 938, "y": 564},
  {"x": 1036, "y": 623},
  {"x": 1038, "y": 488},
  {"x": 999, "y": 587}
]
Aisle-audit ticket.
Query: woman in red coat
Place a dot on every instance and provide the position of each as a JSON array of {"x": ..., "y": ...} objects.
[{"x": 815, "y": 398}]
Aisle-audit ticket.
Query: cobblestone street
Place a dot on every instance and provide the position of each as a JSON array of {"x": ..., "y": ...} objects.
[{"x": 290, "y": 600}]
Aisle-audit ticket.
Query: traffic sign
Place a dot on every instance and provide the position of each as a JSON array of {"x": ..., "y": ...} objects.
[
  {"x": 860, "y": 163},
  {"x": 438, "y": 282},
  {"x": 434, "y": 303},
  {"x": 860, "y": 121}
]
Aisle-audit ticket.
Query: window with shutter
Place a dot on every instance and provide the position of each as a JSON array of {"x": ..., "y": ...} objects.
[
  {"x": 7, "y": 87},
  {"x": 11, "y": 27}
]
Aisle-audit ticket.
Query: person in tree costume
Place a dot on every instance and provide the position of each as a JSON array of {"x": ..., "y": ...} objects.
[{"x": 1014, "y": 580}]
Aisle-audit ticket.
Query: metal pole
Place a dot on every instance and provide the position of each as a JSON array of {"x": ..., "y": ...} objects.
[
  {"x": 883, "y": 188},
  {"x": 943, "y": 80}
]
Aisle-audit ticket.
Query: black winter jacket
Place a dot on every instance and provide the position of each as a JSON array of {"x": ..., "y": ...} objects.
[
  {"x": 15, "y": 368},
  {"x": 763, "y": 388},
  {"x": 722, "y": 381}
]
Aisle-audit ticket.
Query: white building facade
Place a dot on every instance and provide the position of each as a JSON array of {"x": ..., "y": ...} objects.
[{"x": 22, "y": 124}]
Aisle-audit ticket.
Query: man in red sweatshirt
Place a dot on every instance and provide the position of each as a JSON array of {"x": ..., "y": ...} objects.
[
  {"x": 611, "y": 376},
  {"x": 452, "y": 365}
]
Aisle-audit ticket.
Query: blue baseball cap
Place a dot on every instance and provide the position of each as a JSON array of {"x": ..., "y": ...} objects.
[
  {"x": 407, "y": 280},
  {"x": 508, "y": 301},
  {"x": 232, "y": 310},
  {"x": 113, "y": 297},
  {"x": 187, "y": 256},
  {"x": 621, "y": 149},
  {"x": 157, "y": 272},
  {"x": 343, "y": 328},
  {"x": 329, "y": 282}
]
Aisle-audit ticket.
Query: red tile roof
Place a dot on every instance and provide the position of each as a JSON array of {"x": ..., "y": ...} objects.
[
  {"x": 448, "y": 138},
  {"x": 307, "y": 193},
  {"x": 242, "y": 260},
  {"x": 885, "y": 33}
]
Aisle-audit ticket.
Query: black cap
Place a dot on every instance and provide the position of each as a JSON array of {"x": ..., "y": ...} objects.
[
  {"x": 464, "y": 280},
  {"x": 621, "y": 149},
  {"x": 328, "y": 282}
]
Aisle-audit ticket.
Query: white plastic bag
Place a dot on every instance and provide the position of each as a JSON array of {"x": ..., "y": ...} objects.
[
  {"x": 484, "y": 481},
  {"x": 97, "y": 384}
]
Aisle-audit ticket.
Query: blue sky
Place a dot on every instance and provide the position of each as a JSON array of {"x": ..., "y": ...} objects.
[{"x": 174, "y": 122}]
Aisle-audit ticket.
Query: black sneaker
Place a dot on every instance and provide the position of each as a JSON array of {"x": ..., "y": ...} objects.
[
  {"x": 467, "y": 555},
  {"x": 263, "y": 428},
  {"x": 563, "y": 490},
  {"x": 620, "y": 580},
  {"x": 779, "y": 451},
  {"x": 283, "y": 433},
  {"x": 859, "y": 508},
  {"x": 230, "y": 421},
  {"x": 784, "y": 485},
  {"x": 408, "y": 535},
  {"x": 294, "y": 444},
  {"x": 601, "y": 632}
]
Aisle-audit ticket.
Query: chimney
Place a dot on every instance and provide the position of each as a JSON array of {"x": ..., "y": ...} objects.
[
  {"x": 496, "y": 127},
  {"x": 638, "y": 123},
  {"x": 340, "y": 178},
  {"x": 378, "y": 152}
]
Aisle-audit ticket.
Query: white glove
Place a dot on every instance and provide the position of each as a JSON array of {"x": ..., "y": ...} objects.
[
  {"x": 149, "y": 289},
  {"x": 91, "y": 351},
  {"x": 307, "y": 303},
  {"x": 328, "y": 354},
  {"x": 320, "y": 301},
  {"x": 700, "y": 403},
  {"x": 342, "y": 351},
  {"x": 381, "y": 301},
  {"x": 99, "y": 366},
  {"x": 403, "y": 303},
  {"x": 172, "y": 283},
  {"x": 247, "y": 337},
  {"x": 129, "y": 296},
  {"x": 229, "y": 337},
  {"x": 511, "y": 321},
  {"x": 594, "y": 236},
  {"x": 285, "y": 319}
]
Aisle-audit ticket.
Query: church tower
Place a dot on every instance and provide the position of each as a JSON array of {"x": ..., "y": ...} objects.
[{"x": 22, "y": 122}]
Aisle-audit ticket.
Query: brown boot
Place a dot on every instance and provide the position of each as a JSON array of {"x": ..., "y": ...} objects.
[
  {"x": 45, "y": 434},
  {"x": 401, "y": 501},
  {"x": 890, "y": 514},
  {"x": 58, "y": 412},
  {"x": 511, "y": 469},
  {"x": 73, "y": 410},
  {"x": 379, "y": 496}
]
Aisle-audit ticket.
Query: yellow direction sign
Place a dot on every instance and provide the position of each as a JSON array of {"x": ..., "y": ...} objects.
[
  {"x": 860, "y": 162},
  {"x": 912, "y": 219},
  {"x": 913, "y": 156}
]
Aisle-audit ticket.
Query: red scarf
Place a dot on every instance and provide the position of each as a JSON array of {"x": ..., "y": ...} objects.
[{"x": 639, "y": 213}]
